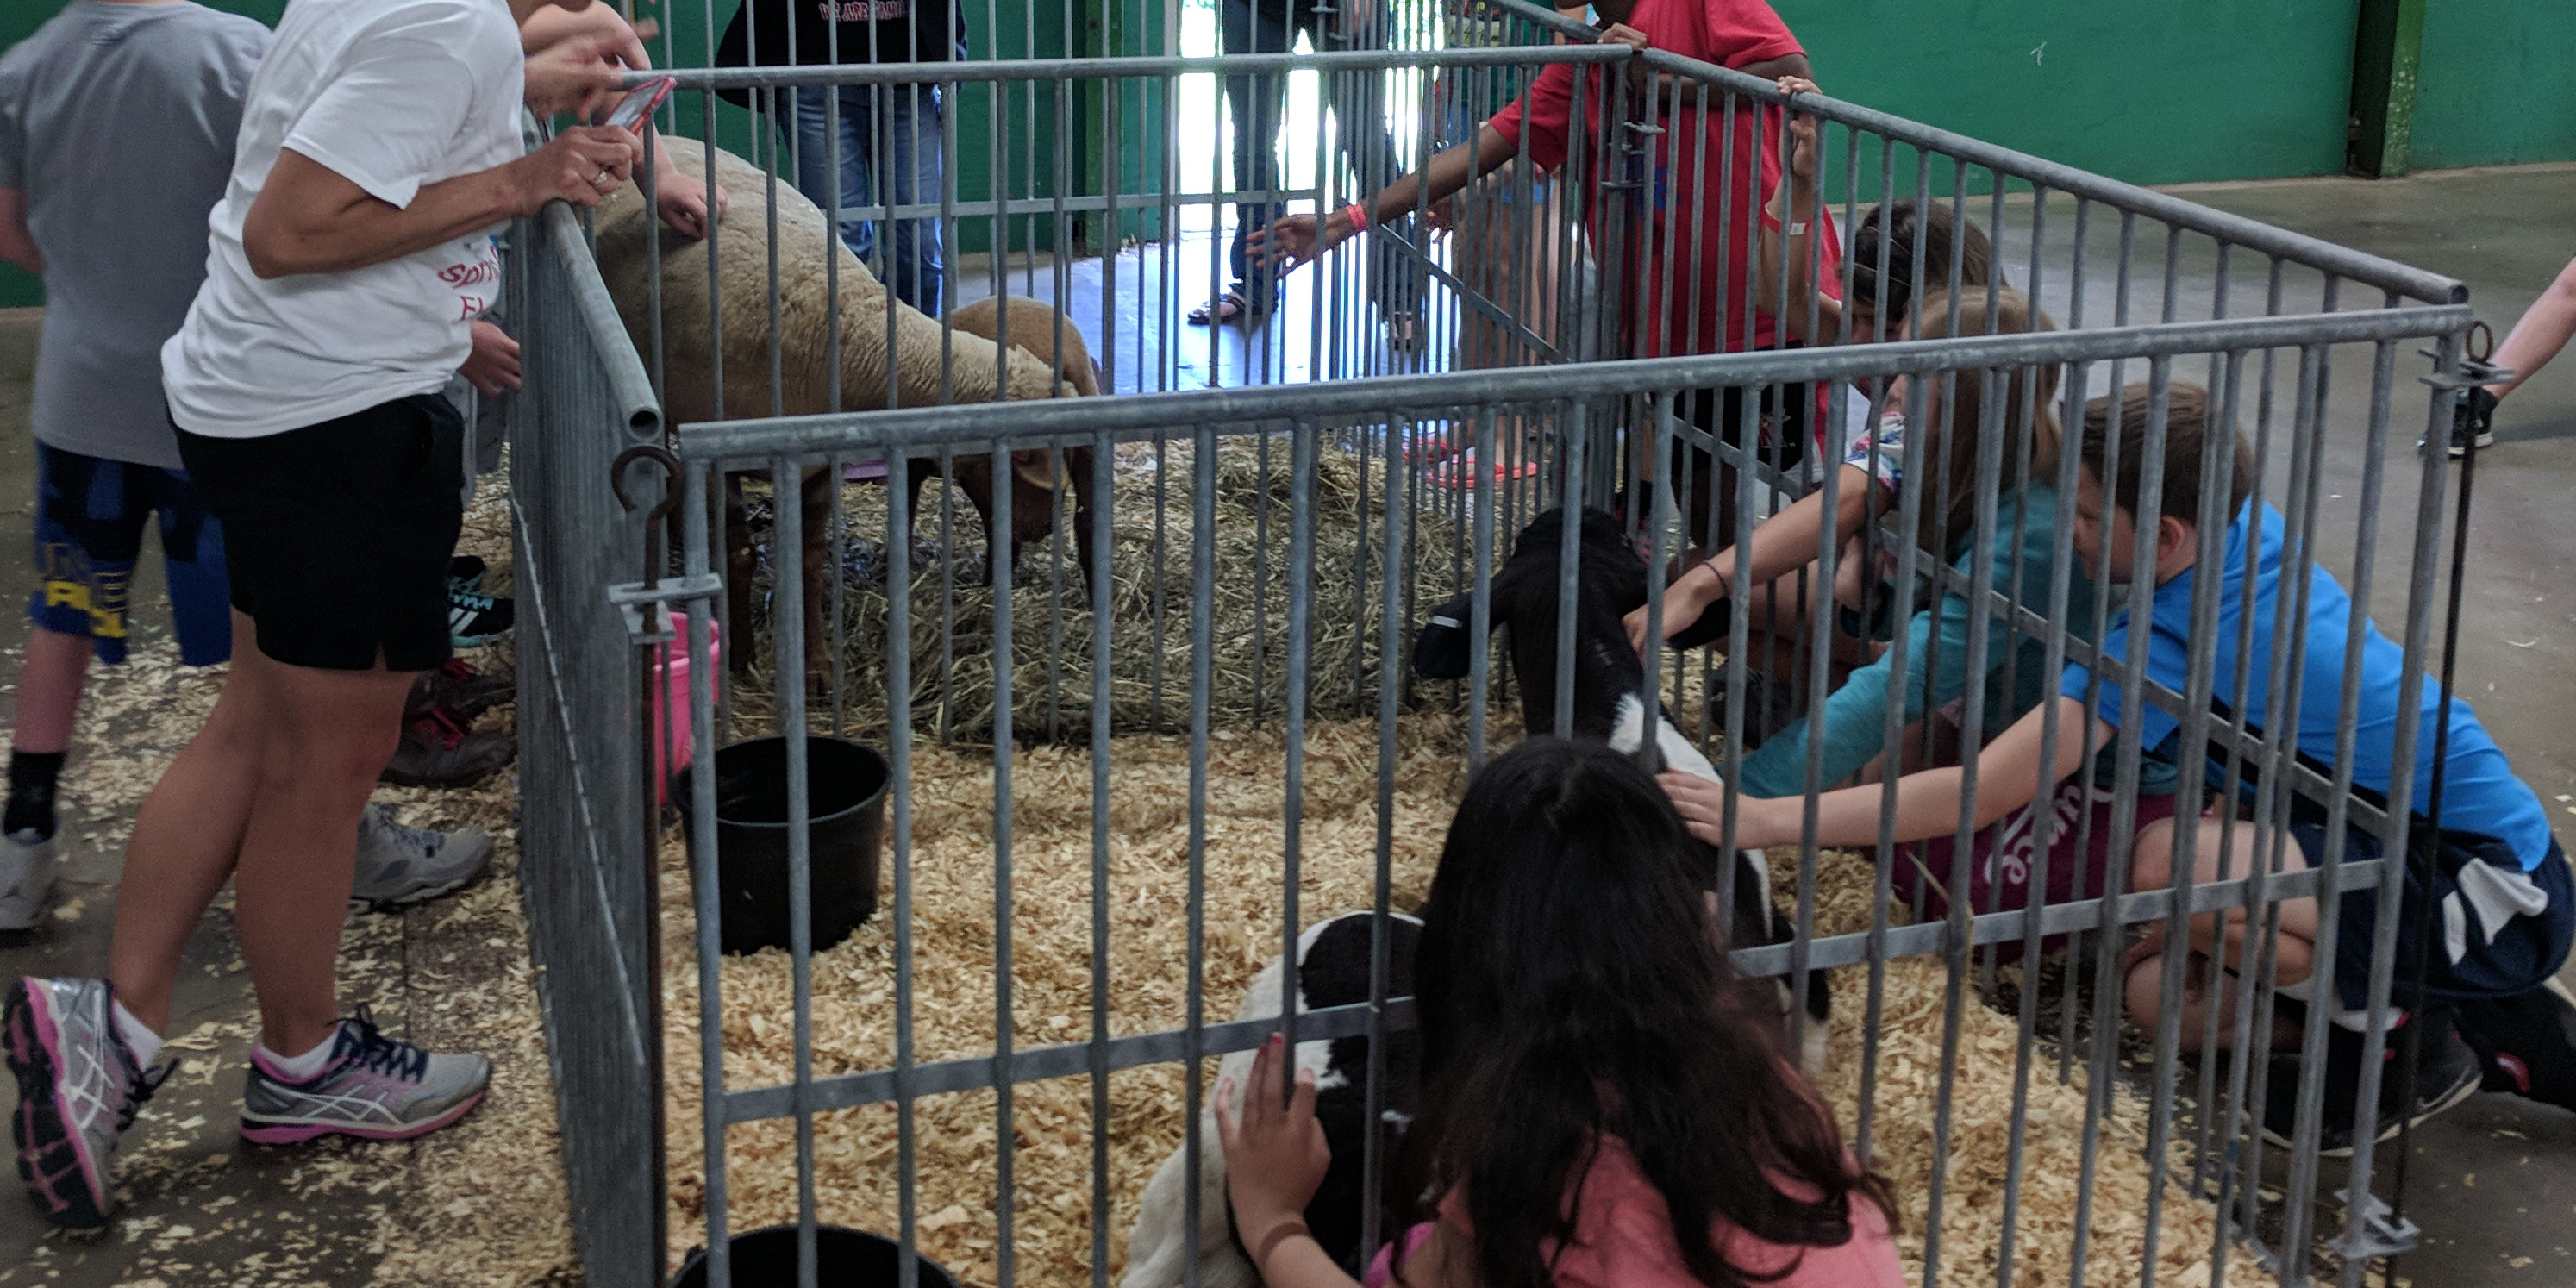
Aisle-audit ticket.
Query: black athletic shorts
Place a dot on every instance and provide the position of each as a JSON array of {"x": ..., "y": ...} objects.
[{"x": 337, "y": 535}]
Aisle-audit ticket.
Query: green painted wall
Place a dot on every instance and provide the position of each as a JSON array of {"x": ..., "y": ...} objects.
[
  {"x": 2162, "y": 92},
  {"x": 2498, "y": 85},
  {"x": 1025, "y": 127},
  {"x": 19, "y": 19}
]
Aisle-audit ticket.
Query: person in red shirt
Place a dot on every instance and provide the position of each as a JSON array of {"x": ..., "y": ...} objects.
[{"x": 1673, "y": 228}]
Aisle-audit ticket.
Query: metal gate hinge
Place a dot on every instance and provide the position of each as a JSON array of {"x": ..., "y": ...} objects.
[
  {"x": 2376, "y": 1230},
  {"x": 633, "y": 597},
  {"x": 2471, "y": 374}
]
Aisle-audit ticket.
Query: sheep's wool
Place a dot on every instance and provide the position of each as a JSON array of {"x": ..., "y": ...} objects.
[{"x": 812, "y": 262}]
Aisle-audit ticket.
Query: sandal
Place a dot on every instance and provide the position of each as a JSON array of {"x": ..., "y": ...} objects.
[{"x": 1229, "y": 307}]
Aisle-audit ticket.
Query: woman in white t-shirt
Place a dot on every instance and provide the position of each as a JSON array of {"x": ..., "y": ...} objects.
[{"x": 379, "y": 148}]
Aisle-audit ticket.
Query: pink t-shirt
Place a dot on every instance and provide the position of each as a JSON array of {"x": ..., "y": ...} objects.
[{"x": 1623, "y": 1238}]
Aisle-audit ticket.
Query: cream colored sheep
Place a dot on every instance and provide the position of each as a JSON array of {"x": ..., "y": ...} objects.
[
  {"x": 804, "y": 310},
  {"x": 975, "y": 369}
]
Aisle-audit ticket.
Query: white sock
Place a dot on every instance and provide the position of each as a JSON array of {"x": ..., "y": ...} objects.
[
  {"x": 139, "y": 1037},
  {"x": 307, "y": 1065}
]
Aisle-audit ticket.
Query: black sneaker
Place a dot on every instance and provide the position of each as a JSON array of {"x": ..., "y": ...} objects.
[
  {"x": 474, "y": 618},
  {"x": 2472, "y": 422},
  {"x": 461, "y": 689},
  {"x": 2526, "y": 1044},
  {"x": 439, "y": 750},
  {"x": 465, "y": 573},
  {"x": 2447, "y": 1072}
]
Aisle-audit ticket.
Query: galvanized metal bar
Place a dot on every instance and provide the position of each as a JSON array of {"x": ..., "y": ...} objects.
[
  {"x": 1202, "y": 649},
  {"x": 1237, "y": 410}
]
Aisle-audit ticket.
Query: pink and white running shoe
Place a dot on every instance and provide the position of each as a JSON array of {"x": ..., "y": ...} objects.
[
  {"x": 373, "y": 1088},
  {"x": 79, "y": 1087}
]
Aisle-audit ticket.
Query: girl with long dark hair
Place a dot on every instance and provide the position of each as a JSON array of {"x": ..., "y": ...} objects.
[{"x": 1599, "y": 1107}]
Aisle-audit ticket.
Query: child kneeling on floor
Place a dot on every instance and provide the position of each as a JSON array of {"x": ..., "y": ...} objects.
[
  {"x": 1597, "y": 1107},
  {"x": 2495, "y": 860}
]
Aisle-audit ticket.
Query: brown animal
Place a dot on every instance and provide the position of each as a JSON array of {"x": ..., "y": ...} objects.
[
  {"x": 1037, "y": 475},
  {"x": 974, "y": 370}
]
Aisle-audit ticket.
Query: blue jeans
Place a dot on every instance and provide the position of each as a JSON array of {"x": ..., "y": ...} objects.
[
  {"x": 901, "y": 146},
  {"x": 1259, "y": 104}
]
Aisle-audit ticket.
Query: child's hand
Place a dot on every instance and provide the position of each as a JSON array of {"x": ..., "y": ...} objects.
[
  {"x": 681, "y": 199},
  {"x": 1802, "y": 129},
  {"x": 1289, "y": 241},
  {"x": 1684, "y": 601},
  {"x": 1758, "y": 822},
  {"x": 493, "y": 365},
  {"x": 1850, "y": 581},
  {"x": 1641, "y": 78},
  {"x": 1275, "y": 1155},
  {"x": 1442, "y": 215}
]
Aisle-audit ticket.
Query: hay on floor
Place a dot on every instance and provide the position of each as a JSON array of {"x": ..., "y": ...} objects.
[
  {"x": 856, "y": 1151},
  {"x": 1152, "y": 571},
  {"x": 1051, "y": 906}
]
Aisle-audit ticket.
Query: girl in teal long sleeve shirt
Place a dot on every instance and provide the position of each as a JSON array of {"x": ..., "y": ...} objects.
[{"x": 2024, "y": 550}]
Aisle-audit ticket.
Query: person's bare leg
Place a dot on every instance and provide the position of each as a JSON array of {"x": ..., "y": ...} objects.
[
  {"x": 49, "y": 690},
  {"x": 187, "y": 835},
  {"x": 2144, "y": 991},
  {"x": 2294, "y": 950},
  {"x": 333, "y": 733},
  {"x": 2151, "y": 868}
]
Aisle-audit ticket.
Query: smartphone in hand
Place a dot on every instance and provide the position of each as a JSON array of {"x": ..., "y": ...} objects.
[{"x": 639, "y": 103}]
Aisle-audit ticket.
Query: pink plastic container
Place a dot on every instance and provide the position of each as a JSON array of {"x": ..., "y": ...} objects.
[{"x": 671, "y": 742}]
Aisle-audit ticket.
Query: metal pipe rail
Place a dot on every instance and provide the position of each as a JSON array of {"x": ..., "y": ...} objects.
[
  {"x": 927, "y": 430},
  {"x": 2387, "y": 274}
]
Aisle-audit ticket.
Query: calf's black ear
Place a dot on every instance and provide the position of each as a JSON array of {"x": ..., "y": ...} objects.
[{"x": 1443, "y": 650}]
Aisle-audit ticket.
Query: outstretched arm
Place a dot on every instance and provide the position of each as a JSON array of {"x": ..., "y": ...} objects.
[
  {"x": 1795, "y": 206},
  {"x": 1779, "y": 545},
  {"x": 2009, "y": 776},
  {"x": 308, "y": 218},
  {"x": 1292, "y": 240},
  {"x": 2542, "y": 332}
]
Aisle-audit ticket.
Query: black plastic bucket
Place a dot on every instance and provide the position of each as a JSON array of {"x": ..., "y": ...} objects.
[
  {"x": 845, "y": 803},
  {"x": 843, "y": 1258}
]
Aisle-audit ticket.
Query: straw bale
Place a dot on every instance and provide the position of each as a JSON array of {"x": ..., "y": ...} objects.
[{"x": 1152, "y": 566}]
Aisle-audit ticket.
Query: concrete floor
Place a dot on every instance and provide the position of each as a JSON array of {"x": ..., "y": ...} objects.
[
  {"x": 334, "y": 1235},
  {"x": 2488, "y": 1180},
  {"x": 2491, "y": 1181}
]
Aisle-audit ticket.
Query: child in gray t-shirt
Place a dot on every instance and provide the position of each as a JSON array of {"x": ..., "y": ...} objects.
[{"x": 157, "y": 86}]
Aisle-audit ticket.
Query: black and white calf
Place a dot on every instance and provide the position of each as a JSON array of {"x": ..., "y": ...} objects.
[
  {"x": 1332, "y": 970},
  {"x": 1523, "y": 602}
]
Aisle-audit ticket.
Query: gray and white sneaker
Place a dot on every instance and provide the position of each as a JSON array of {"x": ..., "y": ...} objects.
[
  {"x": 79, "y": 1087},
  {"x": 399, "y": 866},
  {"x": 374, "y": 1088},
  {"x": 27, "y": 868}
]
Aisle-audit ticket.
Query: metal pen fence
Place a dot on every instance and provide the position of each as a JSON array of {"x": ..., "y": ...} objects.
[
  {"x": 583, "y": 824},
  {"x": 1241, "y": 542}
]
